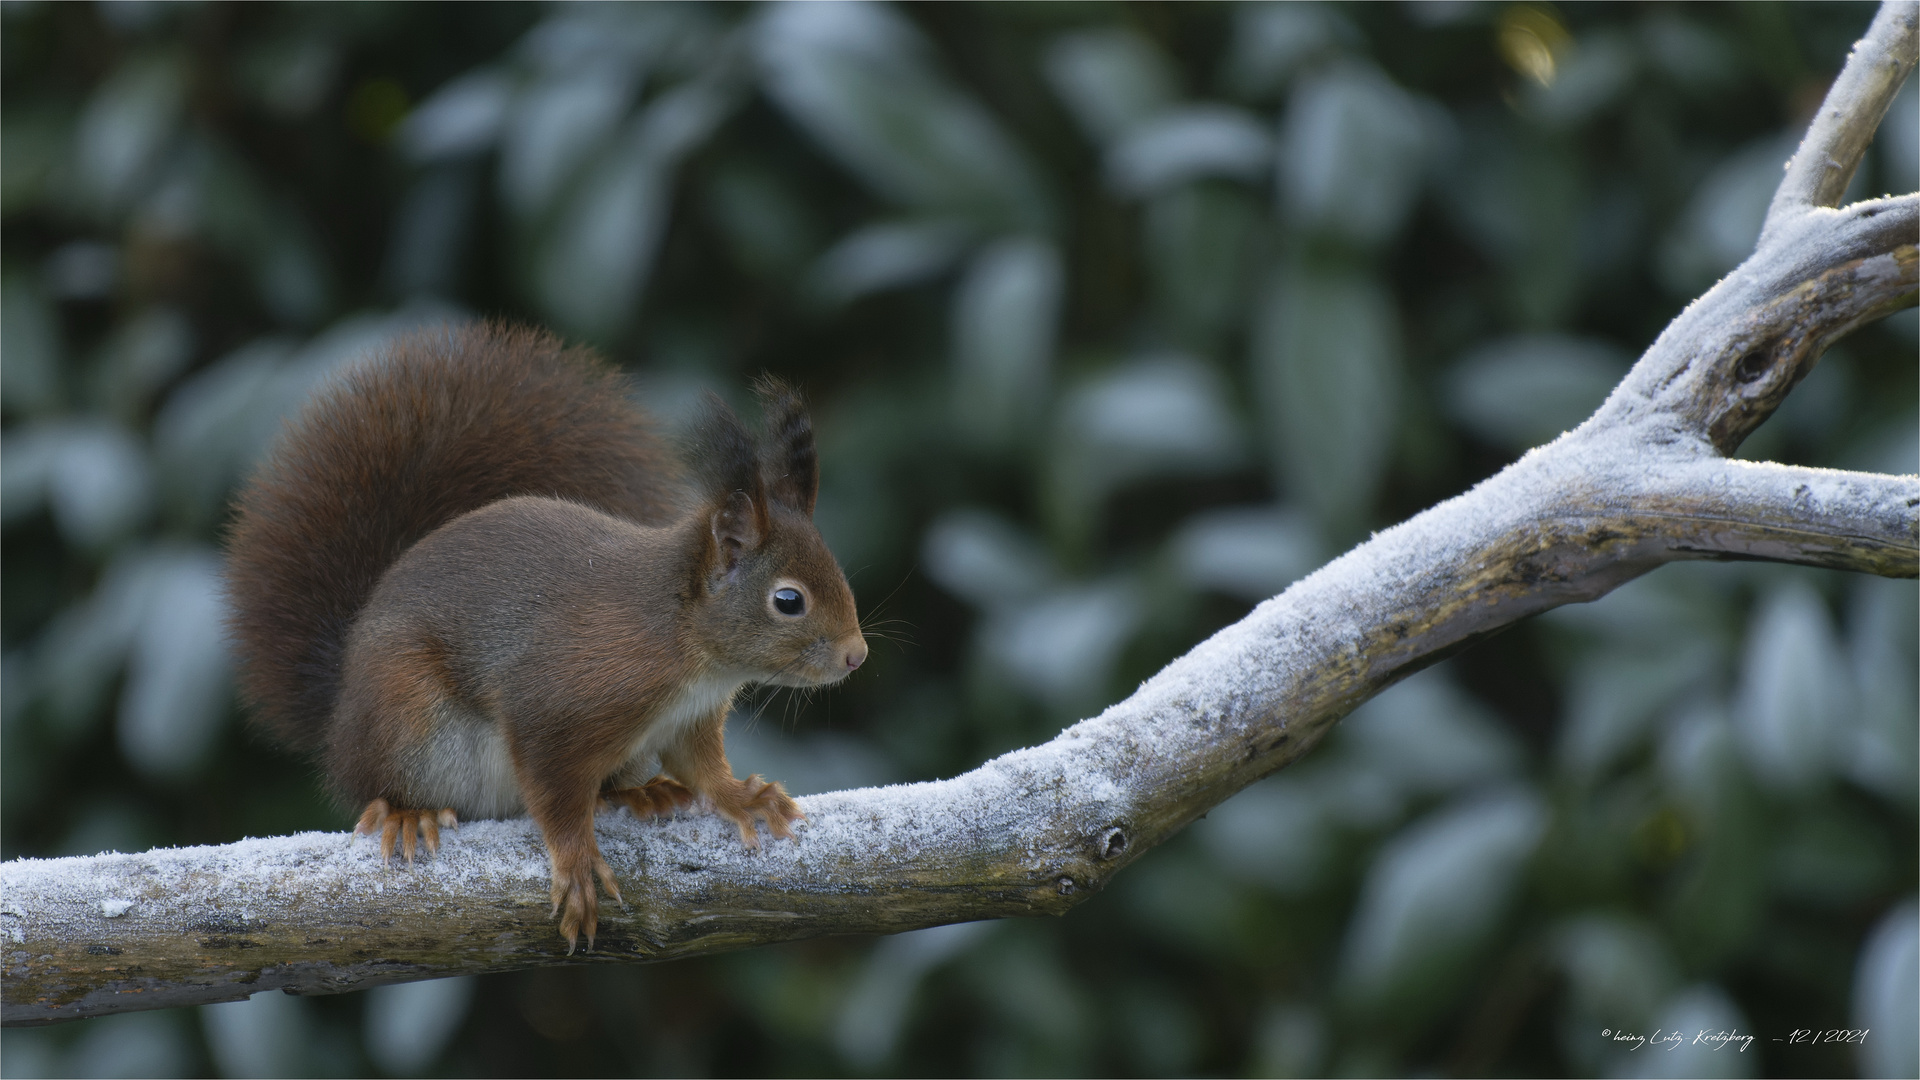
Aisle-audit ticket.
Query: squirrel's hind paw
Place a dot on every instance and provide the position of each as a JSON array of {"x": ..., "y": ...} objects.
[
  {"x": 658, "y": 797},
  {"x": 404, "y": 825},
  {"x": 574, "y": 899}
]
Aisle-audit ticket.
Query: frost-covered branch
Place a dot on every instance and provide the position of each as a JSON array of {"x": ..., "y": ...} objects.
[
  {"x": 1838, "y": 136},
  {"x": 1645, "y": 481}
]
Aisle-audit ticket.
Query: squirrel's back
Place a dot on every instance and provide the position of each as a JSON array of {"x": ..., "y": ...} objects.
[{"x": 437, "y": 424}]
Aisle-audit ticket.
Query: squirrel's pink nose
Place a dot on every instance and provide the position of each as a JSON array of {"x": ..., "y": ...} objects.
[{"x": 857, "y": 655}]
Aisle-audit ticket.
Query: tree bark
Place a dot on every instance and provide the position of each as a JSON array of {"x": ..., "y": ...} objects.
[{"x": 1644, "y": 482}]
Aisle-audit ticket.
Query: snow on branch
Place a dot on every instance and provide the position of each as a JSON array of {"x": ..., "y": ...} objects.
[
  {"x": 1824, "y": 165},
  {"x": 1644, "y": 482}
]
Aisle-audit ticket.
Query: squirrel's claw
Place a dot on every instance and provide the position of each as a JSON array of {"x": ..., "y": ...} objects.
[
  {"x": 755, "y": 801},
  {"x": 575, "y": 901},
  {"x": 404, "y": 826},
  {"x": 658, "y": 797}
]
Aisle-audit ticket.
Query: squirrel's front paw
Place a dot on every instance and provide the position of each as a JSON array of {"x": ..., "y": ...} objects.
[
  {"x": 573, "y": 896},
  {"x": 756, "y": 800},
  {"x": 404, "y": 825}
]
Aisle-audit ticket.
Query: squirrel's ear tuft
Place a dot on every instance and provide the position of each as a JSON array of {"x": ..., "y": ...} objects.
[
  {"x": 722, "y": 453},
  {"x": 792, "y": 466}
]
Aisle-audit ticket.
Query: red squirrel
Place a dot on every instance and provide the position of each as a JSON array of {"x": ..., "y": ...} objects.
[{"x": 473, "y": 581}]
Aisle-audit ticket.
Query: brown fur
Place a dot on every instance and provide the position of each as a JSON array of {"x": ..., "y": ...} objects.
[
  {"x": 543, "y": 629},
  {"x": 446, "y": 421}
]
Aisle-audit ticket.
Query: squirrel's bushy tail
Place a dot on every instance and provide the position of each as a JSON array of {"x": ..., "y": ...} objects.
[{"x": 437, "y": 424}]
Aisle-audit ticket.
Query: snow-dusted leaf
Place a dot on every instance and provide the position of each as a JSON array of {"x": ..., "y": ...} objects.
[
  {"x": 553, "y": 125},
  {"x": 1618, "y": 970},
  {"x": 633, "y": 36},
  {"x": 1005, "y": 315},
  {"x": 1062, "y": 646},
  {"x": 1179, "y": 145},
  {"x": 1430, "y": 737},
  {"x": 1353, "y": 148},
  {"x": 1326, "y": 358},
  {"x": 431, "y": 227},
  {"x": 135, "y": 1044},
  {"x": 1520, "y": 392},
  {"x": 593, "y": 264},
  {"x": 1717, "y": 229},
  {"x": 178, "y": 672},
  {"x": 409, "y": 1024},
  {"x": 1111, "y": 79},
  {"x": 859, "y": 78},
  {"x": 86, "y": 644},
  {"x": 1276, "y": 834},
  {"x": 1359, "y": 795},
  {"x": 876, "y": 1009},
  {"x": 1700, "y": 1009},
  {"x": 888, "y": 255},
  {"x": 212, "y": 429},
  {"x": 1617, "y": 967},
  {"x": 461, "y": 118},
  {"x": 126, "y": 127},
  {"x": 1021, "y": 977},
  {"x": 1795, "y": 692},
  {"x": 1614, "y": 696},
  {"x": 92, "y": 472},
  {"x": 207, "y": 434},
  {"x": 1886, "y": 994},
  {"x": 1248, "y": 552},
  {"x": 1687, "y": 51},
  {"x": 1435, "y": 892},
  {"x": 984, "y": 559},
  {"x": 267, "y": 1034},
  {"x": 1271, "y": 41},
  {"x": 1883, "y": 755},
  {"x": 1165, "y": 410},
  {"x": 1159, "y": 415}
]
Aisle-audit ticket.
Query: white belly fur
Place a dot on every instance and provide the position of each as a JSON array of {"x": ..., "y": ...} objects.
[
  {"x": 694, "y": 704},
  {"x": 466, "y": 764}
]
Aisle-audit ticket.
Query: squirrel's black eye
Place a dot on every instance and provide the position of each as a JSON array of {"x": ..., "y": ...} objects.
[{"x": 789, "y": 601}]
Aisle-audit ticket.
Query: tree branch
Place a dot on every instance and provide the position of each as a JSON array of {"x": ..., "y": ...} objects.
[
  {"x": 1824, "y": 165},
  {"x": 1644, "y": 482}
]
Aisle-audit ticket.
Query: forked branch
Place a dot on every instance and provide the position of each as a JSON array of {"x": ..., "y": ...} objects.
[{"x": 1644, "y": 482}]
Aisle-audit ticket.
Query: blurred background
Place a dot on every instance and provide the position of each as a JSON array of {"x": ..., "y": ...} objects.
[{"x": 1117, "y": 319}]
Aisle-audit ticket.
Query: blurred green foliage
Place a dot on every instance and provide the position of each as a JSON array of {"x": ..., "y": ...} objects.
[{"x": 1117, "y": 320}]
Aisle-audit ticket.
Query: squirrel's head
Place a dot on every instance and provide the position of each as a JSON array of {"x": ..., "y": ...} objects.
[{"x": 772, "y": 599}]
